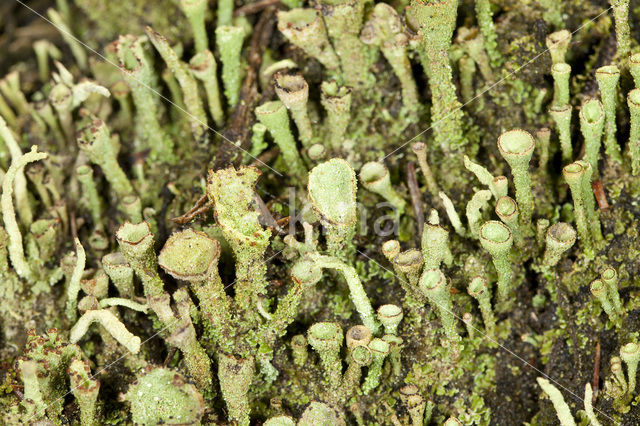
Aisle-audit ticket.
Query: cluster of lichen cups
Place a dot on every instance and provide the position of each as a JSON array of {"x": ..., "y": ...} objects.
[{"x": 240, "y": 334}]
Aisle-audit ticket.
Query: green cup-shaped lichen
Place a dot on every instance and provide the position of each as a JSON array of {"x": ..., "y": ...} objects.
[
  {"x": 633, "y": 101},
  {"x": 379, "y": 350},
  {"x": 630, "y": 354},
  {"x": 414, "y": 403},
  {"x": 436, "y": 23},
  {"x": 361, "y": 355},
  {"x": 189, "y": 255},
  {"x": 599, "y": 291},
  {"x": 326, "y": 339},
  {"x": 497, "y": 239},
  {"x": 560, "y": 237},
  {"x": 232, "y": 192},
  {"x": 203, "y": 66},
  {"x": 136, "y": 244},
  {"x": 390, "y": 249},
  {"x": 435, "y": 246},
  {"x": 120, "y": 273},
  {"x": 320, "y": 414},
  {"x": 317, "y": 152},
  {"x": 610, "y": 278},
  {"x": 306, "y": 29},
  {"x": 561, "y": 115},
  {"x": 374, "y": 176},
  {"x": 574, "y": 175},
  {"x": 274, "y": 115},
  {"x": 607, "y": 78},
  {"x": 479, "y": 290},
  {"x": 235, "y": 375},
  {"x": 229, "y": 40},
  {"x": 195, "y": 11},
  {"x": 95, "y": 141},
  {"x": 561, "y": 73},
  {"x": 336, "y": 100},
  {"x": 358, "y": 335},
  {"x": 390, "y": 317},
  {"x": 516, "y": 147},
  {"x": 558, "y": 43},
  {"x": 332, "y": 191},
  {"x": 132, "y": 208},
  {"x": 164, "y": 396},
  {"x": 634, "y": 68},
  {"x": 192, "y": 256},
  {"x": 433, "y": 285},
  {"x": 306, "y": 272},
  {"x": 344, "y": 20},
  {"x": 591, "y": 126},
  {"x": 293, "y": 91},
  {"x": 507, "y": 210},
  {"x": 409, "y": 263}
]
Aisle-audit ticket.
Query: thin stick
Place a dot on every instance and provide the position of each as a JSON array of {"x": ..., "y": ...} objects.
[
  {"x": 596, "y": 372},
  {"x": 416, "y": 198},
  {"x": 201, "y": 206}
]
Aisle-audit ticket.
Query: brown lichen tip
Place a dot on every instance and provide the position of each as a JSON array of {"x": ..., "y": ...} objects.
[{"x": 189, "y": 255}]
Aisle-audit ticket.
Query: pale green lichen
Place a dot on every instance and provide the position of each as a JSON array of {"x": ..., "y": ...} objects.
[
  {"x": 332, "y": 192},
  {"x": 164, "y": 396},
  {"x": 229, "y": 40}
]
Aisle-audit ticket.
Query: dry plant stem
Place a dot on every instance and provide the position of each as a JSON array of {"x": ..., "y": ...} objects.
[{"x": 416, "y": 198}]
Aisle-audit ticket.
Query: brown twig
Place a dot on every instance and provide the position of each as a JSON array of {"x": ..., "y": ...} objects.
[
  {"x": 201, "y": 206},
  {"x": 416, "y": 198},
  {"x": 250, "y": 9},
  {"x": 267, "y": 156},
  {"x": 595, "y": 384},
  {"x": 265, "y": 214},
  {"x": 167, "y": 360}
]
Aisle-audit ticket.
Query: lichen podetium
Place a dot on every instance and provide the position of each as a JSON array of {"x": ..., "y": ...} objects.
[{"x": 320, "y": 212}]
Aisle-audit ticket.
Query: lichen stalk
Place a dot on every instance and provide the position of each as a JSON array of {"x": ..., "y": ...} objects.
[
  {"x": 434, "y": 285},
  {"x": 229, "y": 41},
  {"x": 561, "y": 115},
  {"x": 140, "y": 75},
  {"x": 274, "y": 115},
  {"x": 436, "y": 21},
  {"x": 623, "y": 32},
  {"x": 516, "y": 147},
  {"x": 195, "y": 11},
  {"x": 306, "y": 29},
  {"x": 591, "y": 125},
  {"x": 15, "y": 247},
  {"x": 484, "y": 16},
  {"x": 344, "y": 19},
  {"x": 293, "y": 91},
  {"x": 607, "y": 78},
  {"x": 633, "y": 101},
  {"x": 204, "y": 67},
  {"x": 497, "y": 239},
  {"x": 336, "y": 100},
  {"x": 188, "y": 84}
]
